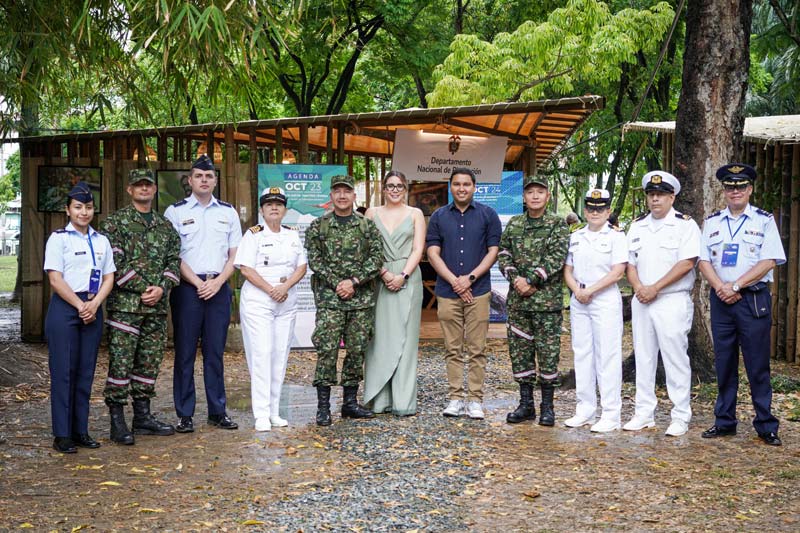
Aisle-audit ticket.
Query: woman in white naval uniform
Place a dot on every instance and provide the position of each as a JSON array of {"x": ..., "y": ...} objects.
[
  {"x": 272, "y": 259},
  {"x": 80, "y": 268},
  {"x": 596, "y": 260}
]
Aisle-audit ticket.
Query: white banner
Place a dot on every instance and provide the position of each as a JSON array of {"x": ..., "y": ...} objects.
[{"x": 432, "y": 156}]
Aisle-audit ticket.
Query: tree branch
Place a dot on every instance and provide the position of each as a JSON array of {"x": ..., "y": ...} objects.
[{"x": 781, "y": 14}]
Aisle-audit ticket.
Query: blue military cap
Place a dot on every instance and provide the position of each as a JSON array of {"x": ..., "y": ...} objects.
[
  {"x": 736, "y": 173},
  {"x": 203, "y": 163},
  {"x": 81, "y": 193}
]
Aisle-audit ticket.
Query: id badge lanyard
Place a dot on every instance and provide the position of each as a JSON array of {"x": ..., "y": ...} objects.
[
  {"x": 730, "y": 251},
  {"x": 94, "y": 276}
]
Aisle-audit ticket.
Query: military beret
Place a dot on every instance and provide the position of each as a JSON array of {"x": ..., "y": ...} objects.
[
  {"x": 535, "y": 180},
  {"x": 140, "y": 174},
  {"x": 736, "y": 173},
  {"x": 658, "y": 180},
  {"x": 272, "y": 194},
  {"x": 597, "y": 198},
  {"x": 350, "y": 181},
  {"x": 203, "y": 163},
  {"x": 81, "y": 193}
]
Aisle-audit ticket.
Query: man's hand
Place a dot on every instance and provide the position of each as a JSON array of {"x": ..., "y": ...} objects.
[
  {"x": 461, "y": 284},
  {"x": 209, "y": 288},
  {"x": 646, "y": 293},
  {"x": 523, "y": 288},
  {"x": 152, "y": 295},
  {"x": 345, "y": 289},
  {"x": 466, "y": 296},
  {"x": 726, "y": 293}
]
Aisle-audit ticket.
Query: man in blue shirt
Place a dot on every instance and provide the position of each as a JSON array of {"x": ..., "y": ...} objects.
[
  {"x": 463, "y": 240},
  {"x": 740, "y": 248}
]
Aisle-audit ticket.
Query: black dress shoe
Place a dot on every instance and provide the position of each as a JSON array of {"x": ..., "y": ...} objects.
[
  {"x": 716, "y": 431},
  {"x": 64, "y": 445},
  {"x": 770, "y": 438},
  {"x": 185, "y": 425},
  {"x": 222, "y": 421},
  {"x": 85, "y": 441}
]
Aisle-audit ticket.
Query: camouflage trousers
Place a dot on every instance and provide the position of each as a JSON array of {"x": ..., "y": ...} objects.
[
  {"x": 534, "y": 339},
  {"x": 355, "y": 327},
  {"x": 136, "y": 345}
]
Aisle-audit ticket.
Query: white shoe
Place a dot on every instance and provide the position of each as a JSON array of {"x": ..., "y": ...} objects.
[
  {"x": 474, "y": 410},
  {"x": 578, "y": 421},
  {"x": 454, "y": 408},
  {"x": 604, "y": 426},
  {"x": 278, "y": 422},
  {"x": 636, "y": 423},
  {"x": 677, "y": 428},
  {"x": 262, "y": 424}
]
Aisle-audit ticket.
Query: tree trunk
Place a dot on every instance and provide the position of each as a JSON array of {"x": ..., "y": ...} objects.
[{"x": 708, "y": 130}]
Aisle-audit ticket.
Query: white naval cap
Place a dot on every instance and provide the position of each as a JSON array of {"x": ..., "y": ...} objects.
[
  {"x": 597, "y": 198},
  {"x": 658, "y": 180}
]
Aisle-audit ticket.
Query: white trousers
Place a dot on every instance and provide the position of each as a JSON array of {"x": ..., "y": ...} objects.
[
  {"x": 267, "y": 329},
  {"x": 663, "y": 324},
  {"x": 597, "y": 347}
]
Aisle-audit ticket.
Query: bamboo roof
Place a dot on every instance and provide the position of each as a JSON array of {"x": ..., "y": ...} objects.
[
  {"x": 545, "y": 124},
  {"x": 783, "y": 129}
]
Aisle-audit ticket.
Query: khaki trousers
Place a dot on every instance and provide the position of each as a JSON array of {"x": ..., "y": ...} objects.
[{"x": 465, "y": 327}]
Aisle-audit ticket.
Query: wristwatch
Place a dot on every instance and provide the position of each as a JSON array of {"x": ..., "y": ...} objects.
[
  {"x": 472, "y": 278},
  {"x": 735, "y": 287},
  {"x": 355, "y": 281},
  {"x": 405, "y": 276}
]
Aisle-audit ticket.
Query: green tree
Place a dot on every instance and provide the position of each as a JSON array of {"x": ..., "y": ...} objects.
[{"x": 9, "y": 182}]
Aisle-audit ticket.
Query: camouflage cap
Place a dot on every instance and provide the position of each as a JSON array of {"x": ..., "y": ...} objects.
[
  {"x": 140, "y": 174},
  {"x": 350, "y": 181},
  {"x": 535, "y": 180}
]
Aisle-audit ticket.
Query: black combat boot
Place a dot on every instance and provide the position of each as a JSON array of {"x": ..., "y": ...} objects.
[
  {"x": 548, "y": 416},
  {"x": 145, "y": 423},
  {"x": 323, "y": 405},
  {"x": 119, "y": 429},
  {"x": 527, "y": 407},
  {"x": 350, "y": 407}
]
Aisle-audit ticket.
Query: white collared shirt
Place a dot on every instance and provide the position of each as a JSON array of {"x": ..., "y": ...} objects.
[
  {"x": 593, "y": 253},
  {"x": 656, "y": 245},
  {"x": 272, "y": 255},
  {"x": 754, "y": 231},
  {"x": 68, "y": 251},
  {"x": 207, "y": 232}
]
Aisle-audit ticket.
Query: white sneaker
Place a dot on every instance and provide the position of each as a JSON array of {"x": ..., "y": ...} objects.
[
  {"x": 262, "y": 424},
  {"x": 677, "y": 428},
  {"x": 474, "y": 410},
  {"x": 278, "y": 422},
  {"x": 578, "y": 421},
  {"x": 604, "y": 426},
  {"x": 636, "y": 423},
  {"x": 454, "y": 408}
]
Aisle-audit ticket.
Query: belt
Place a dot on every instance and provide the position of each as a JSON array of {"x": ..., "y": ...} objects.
[{"x": 208, "y": 276}]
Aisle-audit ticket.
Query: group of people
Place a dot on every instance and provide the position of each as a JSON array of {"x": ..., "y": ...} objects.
[{"x": 367, "y": 290}]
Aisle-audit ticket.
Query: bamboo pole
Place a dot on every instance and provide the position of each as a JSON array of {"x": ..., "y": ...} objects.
[
  {"x": 302, "y": 152},
  {"x": 770, "y": 184},
  {"x": 279, "y": 144},
  {"x": 783, "y": 208},
  {"x": 793, "y": 252}
]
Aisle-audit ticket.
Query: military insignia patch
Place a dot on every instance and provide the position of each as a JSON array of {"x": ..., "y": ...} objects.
[
  {"x": 596, "y": 195},
  {"x": 735, "y": 170},
  {"x": 656, "y": 179}
]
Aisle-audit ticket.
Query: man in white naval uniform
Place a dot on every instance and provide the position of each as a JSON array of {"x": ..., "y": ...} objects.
[{"x": 663, "y": 249}]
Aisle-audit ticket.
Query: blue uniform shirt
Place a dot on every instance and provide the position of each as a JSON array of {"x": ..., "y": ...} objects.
[
  {"x": 464, "y": 239},
  {"x": 68, "y": 251},
  {"x": 207, "y": 232},
  {"x": 754, "y": 231}
]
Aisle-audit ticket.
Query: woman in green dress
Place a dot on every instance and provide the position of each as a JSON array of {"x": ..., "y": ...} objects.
[{"x": 390, "y": 368}]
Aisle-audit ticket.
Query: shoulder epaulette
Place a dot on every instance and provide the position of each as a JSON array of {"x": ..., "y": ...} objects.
[
  {"x": 642, "y": 216},
  {"x": 180, "y": 203},
  {"x": 292, "y": 228},
  {"x": 577, "y": 227},
  {"x": 256, "y": 228},
  {"x": 762, "y": 212},
  {"x": 62, "y": 230},
  {"x": 226, "y": 204},
  {"x": 714, "y": 214},
  {"x": 682, "y": 216}
]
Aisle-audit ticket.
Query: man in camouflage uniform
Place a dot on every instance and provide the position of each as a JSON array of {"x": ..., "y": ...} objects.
[
  {"x": 532, "y": 252},
  {"x": 345, "y": 252},
  {"x": 147, "y": 250}
]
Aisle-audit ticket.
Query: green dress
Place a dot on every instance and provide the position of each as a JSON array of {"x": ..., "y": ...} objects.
[{"x": 390, "y": 368}]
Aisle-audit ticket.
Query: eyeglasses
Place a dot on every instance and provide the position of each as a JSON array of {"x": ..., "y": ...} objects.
[
  {"x": 395, "y": 187},
  {"x": 595, "y": 209},
  {"x": 740, "y": 187}
]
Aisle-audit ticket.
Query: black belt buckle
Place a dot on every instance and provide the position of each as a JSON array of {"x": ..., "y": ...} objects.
[{"x": 211, "y": 276}]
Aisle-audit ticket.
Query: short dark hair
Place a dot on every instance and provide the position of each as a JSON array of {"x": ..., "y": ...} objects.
[{"x": 463, "y": 170}]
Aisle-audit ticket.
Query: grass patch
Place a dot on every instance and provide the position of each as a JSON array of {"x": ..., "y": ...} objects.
[
  {"x": 791, "y": 473},
  {"x": 785, "y": 384},
  {"x": 8, "y": 272}
]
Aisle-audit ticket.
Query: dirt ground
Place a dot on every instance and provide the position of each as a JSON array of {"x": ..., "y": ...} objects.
[{"x": 519, "y": 478}]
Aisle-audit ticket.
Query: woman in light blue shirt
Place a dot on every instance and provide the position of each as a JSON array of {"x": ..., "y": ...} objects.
[{"x": 80, "y": 267}]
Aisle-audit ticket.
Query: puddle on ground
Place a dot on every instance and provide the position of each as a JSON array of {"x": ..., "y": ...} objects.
[{"x": 298, "y": 402}]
